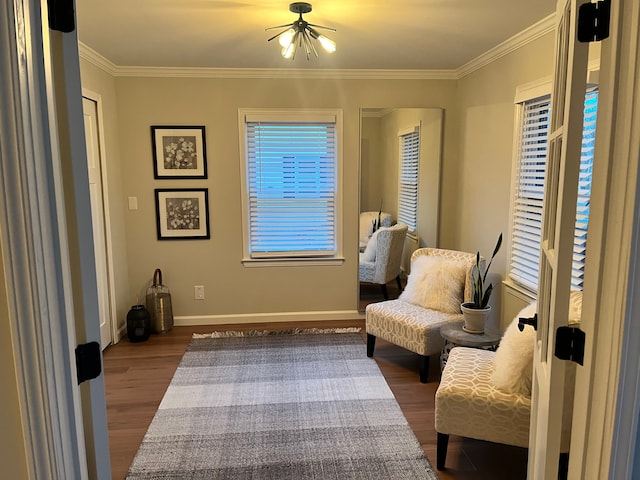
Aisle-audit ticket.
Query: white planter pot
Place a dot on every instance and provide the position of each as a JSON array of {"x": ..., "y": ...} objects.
[{"x": 474, "y": 318}]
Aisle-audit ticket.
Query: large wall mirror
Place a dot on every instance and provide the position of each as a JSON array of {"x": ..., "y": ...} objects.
[{"x": 380, "y": 150}]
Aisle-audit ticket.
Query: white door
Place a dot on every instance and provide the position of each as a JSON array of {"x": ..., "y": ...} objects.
[
  {"x": 92, "y": 138},
  {"x": 559, "y": 216}
]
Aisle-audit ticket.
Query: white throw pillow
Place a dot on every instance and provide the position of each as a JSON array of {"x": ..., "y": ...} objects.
[
  {"x": 366, "y": 226},
  {"x": 369, "y": 254},
  {"x": 513, "y": 362},
  {"x": 436, "y": 283}
]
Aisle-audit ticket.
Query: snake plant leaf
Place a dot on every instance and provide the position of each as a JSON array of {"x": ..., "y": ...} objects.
[
  {"x": 480, "y": 294},
  {"x": 487, "y": 295}
]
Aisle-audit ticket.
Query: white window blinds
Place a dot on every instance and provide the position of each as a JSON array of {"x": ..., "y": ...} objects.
[
  {"x": 584, "y": 189},
  {"x": 529, "y": 191},
  {"x": 408, "y": 186},
  {"x": 291, "y": 183}
]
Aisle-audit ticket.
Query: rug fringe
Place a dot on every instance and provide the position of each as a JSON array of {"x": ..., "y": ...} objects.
[{"x": 292, "y": 331}]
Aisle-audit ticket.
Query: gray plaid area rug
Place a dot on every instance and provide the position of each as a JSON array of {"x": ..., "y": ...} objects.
[{"x": 279, "y": 405}]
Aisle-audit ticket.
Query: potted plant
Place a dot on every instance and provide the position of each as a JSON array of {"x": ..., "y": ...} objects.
[
  {"x": 475, "y": 313},
  {"x": 376, "y": 223}
]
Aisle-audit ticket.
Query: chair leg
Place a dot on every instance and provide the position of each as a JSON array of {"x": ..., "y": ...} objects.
[
  {"x": 384, "y": 291},
  {"x": 441, "y": 450},
  {"x": 424, "y": 368},
  {"x": 371, "y": 344},
  {"x": 563, "y": 468},
  {"x": 399, "y": 282}
]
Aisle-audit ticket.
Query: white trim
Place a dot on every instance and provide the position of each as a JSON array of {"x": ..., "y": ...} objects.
[
  {"x": 532, "y": 90},
  {"x": 519, "y": 291},
  {"x": 113, "y": 320},
  {"x": 623, "y": 460},
  {"x": 241, "y": 318},
  {"x": 407, "y": 130},
  {"x": 542, "y": 86},
  {"x": 528, "y": 35},
  {"x": 354, "y": 74},
  {"x": 292, "y": 114},
  {"x": 606, "y": 405},
  {"x": 93, "y": 57},
  {"x": 292, "y": 262},
  {"x": 34, "y": 241}
]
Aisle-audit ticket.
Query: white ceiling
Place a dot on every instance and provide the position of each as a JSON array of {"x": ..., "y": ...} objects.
[{"x": 371, "y": 34}]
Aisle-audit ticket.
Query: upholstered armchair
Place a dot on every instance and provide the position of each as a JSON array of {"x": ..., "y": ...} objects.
[
  {"x": 487, "y": 395},
  {"x": 439, "y": 282},
  {"x": 366, "y": 225},
  {"x": 381, "y": 261}
]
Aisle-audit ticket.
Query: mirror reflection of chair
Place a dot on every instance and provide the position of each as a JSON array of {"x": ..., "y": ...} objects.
[
  {"x": 382, "y": 259},
  {"x": 366, "y": 225},
  {"x": 414, "y": 323}
]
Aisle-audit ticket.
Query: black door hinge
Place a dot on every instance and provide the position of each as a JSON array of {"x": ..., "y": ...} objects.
[
  {"x": 593, "y": 21},
  {"x": 570, "y": 344},
  {"x": 88, "y": 361},
  {"x": 62, "y": 16}
]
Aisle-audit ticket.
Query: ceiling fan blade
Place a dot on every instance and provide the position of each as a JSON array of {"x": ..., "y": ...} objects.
[
  {"x": 279, "y": 33},
  {"x": 279, "y": 26},
  {"x": 321, "y": 26}
]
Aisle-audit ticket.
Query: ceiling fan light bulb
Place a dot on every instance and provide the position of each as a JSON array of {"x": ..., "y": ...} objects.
[
  {"x": 328, "y": 44},
  {"x": 286, "y": 38},
  {"x": 289, "y": 50}
]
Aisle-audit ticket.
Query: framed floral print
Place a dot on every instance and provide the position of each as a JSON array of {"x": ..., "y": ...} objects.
[
  {"x": 182, "y": 214},
  {"x": 179, "y": 152}
]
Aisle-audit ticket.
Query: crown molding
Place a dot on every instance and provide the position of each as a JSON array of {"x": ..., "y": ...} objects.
[
  {"x": 93, "y": 57},
  {"x": 374, "y": 112},
  {"x": 535, "y": 31},
  {"x": 519, "y": 40},
  {"x": 278, "y": 73}
]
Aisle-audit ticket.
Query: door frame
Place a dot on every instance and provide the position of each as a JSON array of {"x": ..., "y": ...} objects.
[
  {"x": 113, "y": 321},
  {"x": 51, "y": 304},
  {"x": 607, "y": 400}
]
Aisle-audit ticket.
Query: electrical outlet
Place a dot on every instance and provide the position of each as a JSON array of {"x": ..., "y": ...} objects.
[{"x": 198, "y": 292}]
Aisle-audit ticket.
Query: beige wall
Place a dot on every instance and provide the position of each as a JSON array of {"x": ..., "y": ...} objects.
[
  {"x": 13, "y": 453},
  {"x": 485, "y": 106},
  {"x": 234, "y": 292},
  {"x": 371, "y": 164},
  {"x": 474, "y": 200}
]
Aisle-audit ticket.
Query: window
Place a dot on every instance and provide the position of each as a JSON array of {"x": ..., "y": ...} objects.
[
  {"x": 408, "y": 175},
  {"x": 291, "y": 177},
  {"x": 529, "y": 190}
]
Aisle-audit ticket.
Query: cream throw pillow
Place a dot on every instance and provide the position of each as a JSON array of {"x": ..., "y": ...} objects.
[
  {"x": 436, "y": 283},
  {"x": 369, "y": 254},
  {"x": 513, "y": 362}
]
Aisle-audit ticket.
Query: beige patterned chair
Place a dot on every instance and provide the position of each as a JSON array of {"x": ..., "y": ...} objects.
[
  {"x": 366, "y": 225},
  {"x": 386, "y": 260},
  {"x": 411, "y": 326},
  {"x": 468, "y": 404}
]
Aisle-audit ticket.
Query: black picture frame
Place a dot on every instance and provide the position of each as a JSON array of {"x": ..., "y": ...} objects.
[
  {"x": 182, "y": 213},
  {"x": 179, "y": 151}
]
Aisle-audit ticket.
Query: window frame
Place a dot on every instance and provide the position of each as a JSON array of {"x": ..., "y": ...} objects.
[
  {"x": 290, "y": 115},
  {"x": 527, "y": 93}
]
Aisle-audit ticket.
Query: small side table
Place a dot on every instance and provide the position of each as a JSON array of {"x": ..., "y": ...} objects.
[{"x": 455, "y": 336}]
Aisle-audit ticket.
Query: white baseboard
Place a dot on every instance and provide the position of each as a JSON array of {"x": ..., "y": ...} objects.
[{"x": 191, "y": 320}]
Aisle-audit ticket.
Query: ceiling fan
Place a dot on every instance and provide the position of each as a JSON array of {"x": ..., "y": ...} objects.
[{"x": 299, "y": 33}]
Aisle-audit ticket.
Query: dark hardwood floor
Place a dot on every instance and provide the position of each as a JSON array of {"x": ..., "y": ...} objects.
[{"x": 138, "y": 374}]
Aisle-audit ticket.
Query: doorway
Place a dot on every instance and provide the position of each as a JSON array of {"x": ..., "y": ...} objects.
[{"x": 98, "y": 192}]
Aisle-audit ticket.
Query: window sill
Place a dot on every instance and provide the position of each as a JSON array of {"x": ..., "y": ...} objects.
[
  {"x": 519, "y": 289},
  {"x": 292, "y": 262}
]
